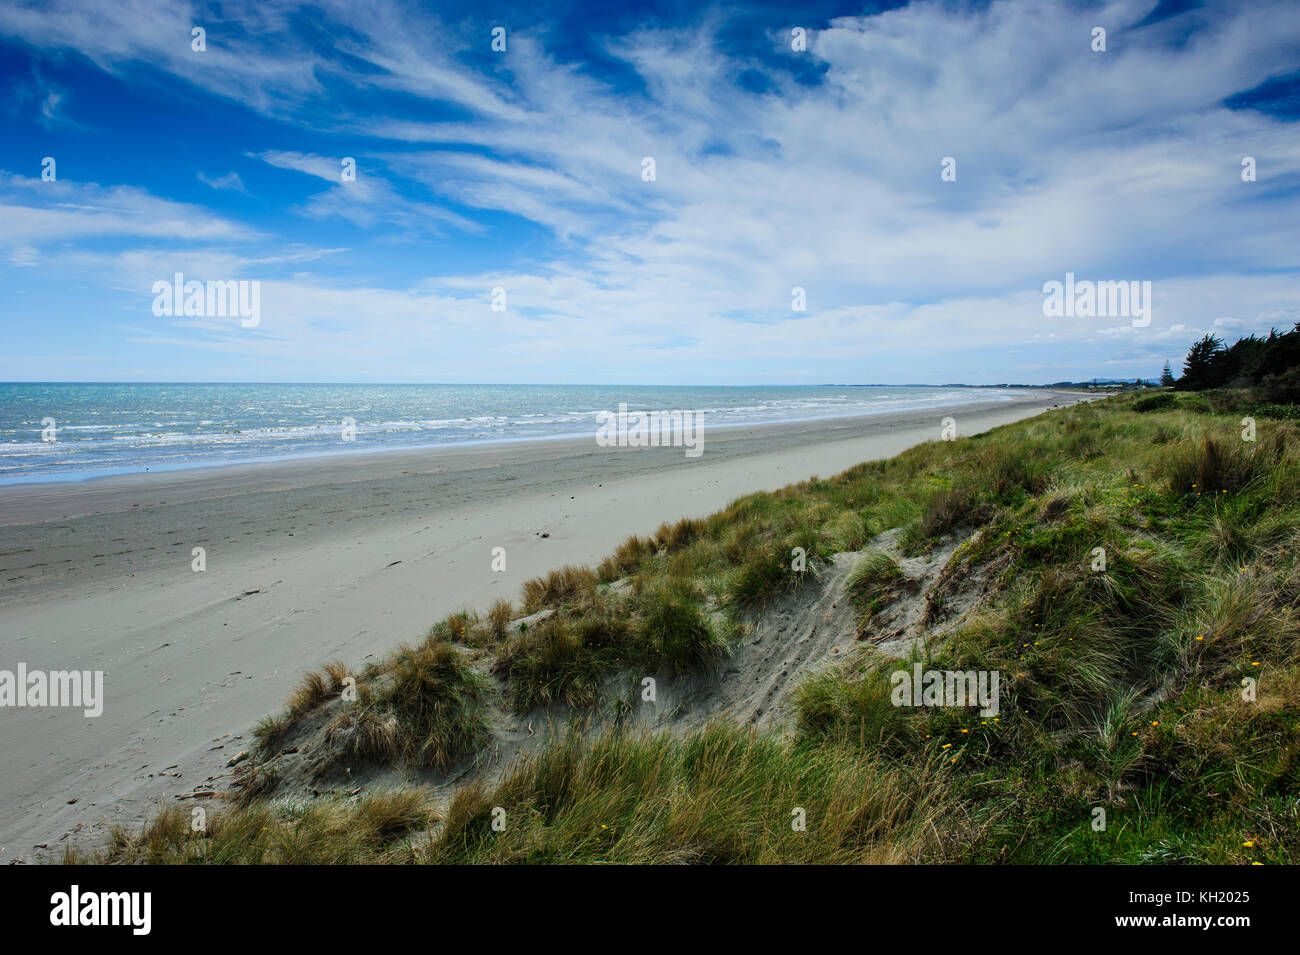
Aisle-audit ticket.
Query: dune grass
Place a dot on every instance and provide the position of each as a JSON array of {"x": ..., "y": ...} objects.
[
  {"x": 720, "y": 795},
  {"x": 1112, "y": 679},
  {"x": 425, "y": 706},
  {"x": 377, "y": 827},
  {"x": 875, "y": 579},
  {"x": 1140, "y": 601},
  {"x": 568, "y": 656}
]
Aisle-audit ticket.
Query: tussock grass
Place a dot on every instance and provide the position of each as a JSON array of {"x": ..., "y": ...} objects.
[
  {"x": 552, "y": 662},
  {"x": 1216, "y": 466},
  {"x": 874, "y": 581},
  {"x": 499, "y": 616},
  {"x": 720, "y": 795},
  {"x": 363, "y": 735},
  {"x": 673, "y": 537},
  {"x": 1233, "y": 530},
  {"x": 380, "y": 826},
  {"x": 774, "y": 564},
  {"x": 458, "y": 627},
  {"x": 425, "y": 706},
  {"x": 567, "y": 657},
  {"x": 564, "y": 585},
  {"x": 945, "y": 509},
  {"x": 437, "y": 701},
  {"x": 270, "y": 732},
  {"x": 858, "y": 711},
  {"x": 1158, "y": 402},
  {"x": 1121, "y": 686},
  {"x": 626, "y": 559},
  {"x": 1114, "y": 746},
  {"x": 316, "y": 687},
  {"x": 681, "y": 637}
]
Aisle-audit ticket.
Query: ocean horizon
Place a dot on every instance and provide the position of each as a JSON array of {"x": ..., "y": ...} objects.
[{"x": 66, "y": 431}]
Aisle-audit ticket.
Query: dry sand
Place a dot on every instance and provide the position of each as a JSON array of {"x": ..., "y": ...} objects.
[{"x": 313, "y": 560}]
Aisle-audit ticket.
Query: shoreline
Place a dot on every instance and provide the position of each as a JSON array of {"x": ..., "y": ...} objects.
[
  {"x": 92, "y": 474},
  {"x": 29, "y": 502},
  {"x": 307, "y": 563}
]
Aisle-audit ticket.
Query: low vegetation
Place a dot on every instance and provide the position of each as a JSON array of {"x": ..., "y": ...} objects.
[
  {"x": 1140, "y": 602},
  {"x": 423, "y": 707},
  {"x": 377, "y": 827}
]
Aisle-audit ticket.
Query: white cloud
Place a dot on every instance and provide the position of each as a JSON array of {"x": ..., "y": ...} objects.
[
  {"x": 230, "y": 182},
  {"x": 36, "y": 212},
  {"x": 366, "y": 199},
  {"x": 1122, "y": 165}
]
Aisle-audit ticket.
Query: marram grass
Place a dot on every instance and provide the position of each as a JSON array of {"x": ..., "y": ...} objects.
[{"x": 1162, "y": 690}]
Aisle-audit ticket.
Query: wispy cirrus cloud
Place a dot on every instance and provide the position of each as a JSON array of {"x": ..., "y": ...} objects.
[
  {"x": 364, "y": 199},
  {"x": 229, "y": 181},
  {"x": 35, "y": 212},
  {"x": 1117, "y": 165}
]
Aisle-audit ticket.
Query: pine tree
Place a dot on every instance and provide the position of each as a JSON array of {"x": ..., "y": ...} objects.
[
  {"x": 1167, "y": 377},
  {"x": 1200, "y": 360}
]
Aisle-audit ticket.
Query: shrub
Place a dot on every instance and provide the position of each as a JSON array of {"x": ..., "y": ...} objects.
[{"x": 1160, "y": 402}]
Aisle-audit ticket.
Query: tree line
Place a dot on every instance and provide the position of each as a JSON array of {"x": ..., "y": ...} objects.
[{"x": 1270, "y": 365}]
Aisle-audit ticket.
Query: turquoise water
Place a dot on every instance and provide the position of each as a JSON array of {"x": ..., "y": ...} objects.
[{"x": 105, "y": 429}]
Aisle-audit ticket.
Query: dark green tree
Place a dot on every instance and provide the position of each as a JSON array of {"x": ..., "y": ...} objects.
[
  {"x": 1198, "y": 368},
  {"x": 1167, "y": 377},
  {"x": 1271, "y": 365}
]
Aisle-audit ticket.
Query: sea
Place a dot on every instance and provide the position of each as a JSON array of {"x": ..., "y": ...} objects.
[{"x": 76, "y": 431}]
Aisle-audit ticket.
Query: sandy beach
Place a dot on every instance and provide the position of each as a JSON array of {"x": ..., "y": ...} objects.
[{"x": 318, "y": 559}]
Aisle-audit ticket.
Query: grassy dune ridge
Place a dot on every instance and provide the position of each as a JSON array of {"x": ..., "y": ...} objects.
[{"x": 1121, "y": 690}]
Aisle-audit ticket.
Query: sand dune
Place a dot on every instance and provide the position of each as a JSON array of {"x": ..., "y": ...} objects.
[{"x": 314, "y": 560}]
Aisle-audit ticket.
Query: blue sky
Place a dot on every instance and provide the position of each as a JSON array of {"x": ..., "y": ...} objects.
[{"x": 522, "y": 169}]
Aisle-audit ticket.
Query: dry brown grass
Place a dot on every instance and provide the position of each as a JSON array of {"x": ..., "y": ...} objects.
[{"x": 567, "y": 584}]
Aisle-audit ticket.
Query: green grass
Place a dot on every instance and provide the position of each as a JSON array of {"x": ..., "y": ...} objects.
[
  {"x": 569, "y": 656},
  {"x": 1121, "y": 688},
  {"x": 425, "y": 707},
  {"x": 720, "y": 795},
  {"x": 875, "y": 581},
  {"x": 1100, "y": 669},
  {"x": 378, "y": 827},
  {"x": 437, "y": 701}
]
